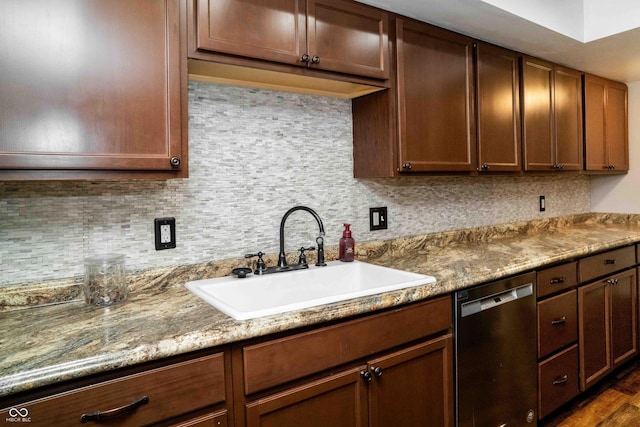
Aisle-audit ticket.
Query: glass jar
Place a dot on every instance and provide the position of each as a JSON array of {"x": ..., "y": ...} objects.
[{"x": 105, "y": 281}]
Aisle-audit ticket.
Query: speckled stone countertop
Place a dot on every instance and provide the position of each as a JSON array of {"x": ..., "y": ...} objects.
[{"x": 62, "y": 338}]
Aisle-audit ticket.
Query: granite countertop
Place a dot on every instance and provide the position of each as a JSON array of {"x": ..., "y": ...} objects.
[{"x": 49, "y": 344}]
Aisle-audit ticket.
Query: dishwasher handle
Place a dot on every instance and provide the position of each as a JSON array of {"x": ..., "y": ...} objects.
[{"x": 491, "y": 301}]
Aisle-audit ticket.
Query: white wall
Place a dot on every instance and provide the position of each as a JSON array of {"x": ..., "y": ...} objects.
[{"x": 621, "y": 194}]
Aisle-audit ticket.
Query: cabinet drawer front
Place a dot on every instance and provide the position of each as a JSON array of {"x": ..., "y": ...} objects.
[
  {"x": 558, "y": 380},
  {"x": 554, "y": 279},
  {"x": 557, "y": 322},
  {"x": 606, "y": 263},
  {"x": 281, "y": 360},
  {"x": 171, "y": 391}
]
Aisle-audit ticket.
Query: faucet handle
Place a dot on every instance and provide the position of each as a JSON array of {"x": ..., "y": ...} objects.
[
  {"x": 302, "y": 259},
  {"x": 260, "y": 266}
]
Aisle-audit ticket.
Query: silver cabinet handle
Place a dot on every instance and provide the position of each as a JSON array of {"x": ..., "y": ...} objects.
[{"x": 560, "y": 380}]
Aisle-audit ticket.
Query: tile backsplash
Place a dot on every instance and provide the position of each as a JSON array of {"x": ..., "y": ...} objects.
[{"x": 253, "y": 154}]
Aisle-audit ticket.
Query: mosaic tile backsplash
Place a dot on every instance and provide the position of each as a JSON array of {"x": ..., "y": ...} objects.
[{"x": 253, "y": 155}]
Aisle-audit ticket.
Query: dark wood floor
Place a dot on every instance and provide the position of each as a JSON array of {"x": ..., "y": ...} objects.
[{"x": 613, "y": 403}]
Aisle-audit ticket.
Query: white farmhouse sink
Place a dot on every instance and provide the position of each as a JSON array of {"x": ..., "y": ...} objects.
[{"x": 257, "y": 296}]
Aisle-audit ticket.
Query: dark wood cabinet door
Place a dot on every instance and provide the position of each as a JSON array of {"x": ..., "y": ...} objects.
[
  {"x": 498, "y": 102},
  {"x": 435, "y": 99},
  {"x": 596, "y": 152},
  {"x": 273, "y": 30},
  {"x": 617, "y": 129},
  {"x": 606, "y": 125},
  {"x": 348, "y": 37},
  {"x": 97, "y": 85},
  {"x": 337, "y": 400},
  {"x": 415, "y": 386},
  {"x": 594, "y": 332},
  {"x": 624, "y": 317},
  {"x": 568, "y": 118},
  {"x": 537, "y": 115}
]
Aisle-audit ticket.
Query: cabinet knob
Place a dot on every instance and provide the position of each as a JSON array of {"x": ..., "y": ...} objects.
[
  {"x": 612, "y": 281},
  {"x": 175, "y": 162},
  {"x": 558, "y": 166},
  {"x": 315, "y": 59},
  {"x": 609, "y": 261},
  {"x": 377, "y": 371},
  {"x": 305, "y": 58},
  {"x": 484, "y": 167},
  {"x": 406, "y": 165},
  {"x": 366, "y": 375},
  {"x": 557, "y": 280}
]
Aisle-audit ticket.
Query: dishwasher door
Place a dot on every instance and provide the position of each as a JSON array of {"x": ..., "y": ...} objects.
[{"x": 496, "y": 366}]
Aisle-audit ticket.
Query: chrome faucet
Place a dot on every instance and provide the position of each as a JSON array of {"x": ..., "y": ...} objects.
[{"x": 282, "y": 259}]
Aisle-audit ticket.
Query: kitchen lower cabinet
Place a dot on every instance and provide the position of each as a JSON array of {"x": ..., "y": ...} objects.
[
  {"x": 337, "y": 400},
  {"x": 558, "y": 380},
  {"x": 390, "y": 368},
  {"x": 608, "y": 321},
  {"x": 413, "y": 387},
  {"x": 191, "y": 392},
  {"x": 93, "y": 90}
]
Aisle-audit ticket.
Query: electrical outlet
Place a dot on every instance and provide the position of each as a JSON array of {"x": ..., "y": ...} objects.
[
  {"x": 165, "y": 233},
  {"x": 378, "y": 218},
  {"x": 543, "y": 204}
]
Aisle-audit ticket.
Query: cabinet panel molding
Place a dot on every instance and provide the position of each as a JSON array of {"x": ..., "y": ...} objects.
[{"x": 84, "y": 102}]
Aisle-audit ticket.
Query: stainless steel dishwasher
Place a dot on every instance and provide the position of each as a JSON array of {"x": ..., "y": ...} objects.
[{"x": 496, "y": 367}]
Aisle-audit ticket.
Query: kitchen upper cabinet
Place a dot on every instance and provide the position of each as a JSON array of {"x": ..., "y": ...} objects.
[
  {"x": 436, "y": 125},
  {"x": 551, "y": 116},
  {"x": 332, "y": 35},
  {"x": 498, "y": 109},
  {"x": 92, "y": 89},
  {"x": 606, "y": 139}
]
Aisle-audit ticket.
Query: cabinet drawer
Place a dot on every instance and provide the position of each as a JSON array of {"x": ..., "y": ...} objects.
[
  {"x": 281, "y": 360},
  {"x": 171, "y": 390},
  {"x": 558, "y": 380},
  {"x": 558, "y": 278},
  {"x": 606, "y": 263},
  {"x": 557, "y": 322}
]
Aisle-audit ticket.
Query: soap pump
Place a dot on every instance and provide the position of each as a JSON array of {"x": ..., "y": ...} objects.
[{"x": 347, "y": 245}]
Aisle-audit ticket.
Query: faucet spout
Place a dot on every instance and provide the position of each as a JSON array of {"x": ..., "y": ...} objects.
[{"x": 282, "y": 259}]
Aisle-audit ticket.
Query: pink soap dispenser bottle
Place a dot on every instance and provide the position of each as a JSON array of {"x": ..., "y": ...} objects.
[{"x": 347, "y": 245}]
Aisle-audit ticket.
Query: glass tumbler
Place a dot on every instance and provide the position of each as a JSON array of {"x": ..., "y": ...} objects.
[{"x": 105, "y": 281}]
